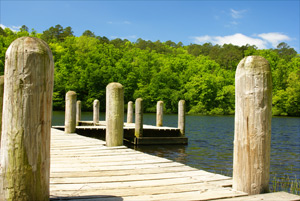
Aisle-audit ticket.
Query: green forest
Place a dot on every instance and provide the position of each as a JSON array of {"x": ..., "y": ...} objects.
[{"x": 203, "y": 75}]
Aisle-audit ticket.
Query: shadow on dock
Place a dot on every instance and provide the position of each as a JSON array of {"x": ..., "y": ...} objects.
[{"x": 96, "y": 197}]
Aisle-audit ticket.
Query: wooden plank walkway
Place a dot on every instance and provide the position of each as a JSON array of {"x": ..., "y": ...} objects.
[
  {"x": 151, "y": 134},
  {"x": 85, "y": 169}
]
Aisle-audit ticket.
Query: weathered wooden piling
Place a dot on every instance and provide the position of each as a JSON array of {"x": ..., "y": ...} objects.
[
  {"x": 138, "y": 118},
  {"x": 114, "y": 114},
  {"x": 96, "y": 107},
  {"x": 181, "y": 116},
  {"x": 70, "y": 114},
  {"x": 159, "y": 113},
  {"x": 1, "y": 102},
  {"x": 130, "y": 112},
  {"x": 253, "y": 113},
  {"x": 27, "y": 108},
  {"x": 78, "y": 112}
]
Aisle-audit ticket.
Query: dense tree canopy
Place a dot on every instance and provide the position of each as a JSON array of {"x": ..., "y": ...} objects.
[{"x": 203, "y": 75}]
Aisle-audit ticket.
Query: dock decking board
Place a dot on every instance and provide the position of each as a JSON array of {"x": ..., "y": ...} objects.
[{"x": 85, "y": 169}]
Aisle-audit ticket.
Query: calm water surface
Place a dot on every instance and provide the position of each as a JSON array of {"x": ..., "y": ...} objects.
[{"x": 211, "y": 142}]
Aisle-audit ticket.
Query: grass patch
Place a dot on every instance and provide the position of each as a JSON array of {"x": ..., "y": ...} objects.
[{"x": 285, "y": 183}]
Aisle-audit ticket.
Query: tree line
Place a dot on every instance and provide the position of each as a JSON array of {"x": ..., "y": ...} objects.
[{"x": 203, "y": 75}]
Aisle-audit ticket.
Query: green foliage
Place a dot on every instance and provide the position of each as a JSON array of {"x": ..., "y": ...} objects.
[
  {"x": 203, "y": 75},
  {"x": 56, "y": 34}
]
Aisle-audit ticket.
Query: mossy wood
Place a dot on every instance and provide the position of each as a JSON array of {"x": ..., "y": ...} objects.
[
  {"x": 27, "y": 108},
  {"x": 252, "y": 134}
]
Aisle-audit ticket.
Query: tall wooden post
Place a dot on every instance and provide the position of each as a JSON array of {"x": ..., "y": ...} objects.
[
  {"x": 70, "y": 114},
  {"x": 159, "y": 113},
  {"x": 1, "y": 102},
  {"x": 252, "y": 134},
  {"x": 26, "y": 128},
  {"x": 130, "y": 112},
  {"x": 114, "y": 114},
  {"x": 96, "y": 107},
  {"x": 181, "y": 116},
  {"x": 78, "y": 112},
  {"x": 138, "y": 117}
]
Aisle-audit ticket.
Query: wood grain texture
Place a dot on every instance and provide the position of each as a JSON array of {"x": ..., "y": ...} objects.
[
  {"x": 70, "y": 114},
  {"x": 96, "y": 108},
  {"x": 130, "y": 112},
  {"x": 253, "y": 113},
  {"x": 138, "y": 131},
  {"x": 78, "y": 112},
  {"x": 27, "y": 108},
  {"x": 114, "y": 114},
  {"x": 277, "y": 196},
  {"x": 1, "y": 102},
  {"x": 159, "y": 113},
  {"x": 119, "y": 173},
  {"x": 181, "y": 116}
]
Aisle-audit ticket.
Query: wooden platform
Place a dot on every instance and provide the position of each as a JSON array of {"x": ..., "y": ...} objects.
[
  {"x": 84, "y": 168},
  {"x": 151, "y": 134}
]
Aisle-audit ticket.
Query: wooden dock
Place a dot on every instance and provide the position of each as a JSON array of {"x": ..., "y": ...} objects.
[
  {"x": 151, "y": 134},
  {"x": 84, "y": 168}
]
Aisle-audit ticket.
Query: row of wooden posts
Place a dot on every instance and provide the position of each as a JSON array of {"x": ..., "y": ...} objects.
[
  {"x": 115, "y": 114},
  {"x": 27, "y": 111}
]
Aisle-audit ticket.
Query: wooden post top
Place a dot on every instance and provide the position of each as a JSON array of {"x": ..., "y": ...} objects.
[
  {"x": 114, "y": 85},
  {"x": 30, "y": 45},
  {"x": 71, "y": 93},
  {"x": 255, "y": 64}
]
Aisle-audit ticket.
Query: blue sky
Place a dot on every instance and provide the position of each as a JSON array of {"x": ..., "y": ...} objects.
[{"x": 260, "y": 23}]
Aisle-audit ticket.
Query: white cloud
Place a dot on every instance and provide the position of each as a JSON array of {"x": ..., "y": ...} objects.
[
  {"x": 203, "y": 39},
  {"x": 13, "y": 28},
  {"x": 236, "y": 39},
  {"x": 240, "y": 40},
  {"x": 262, "y": 41},
  {"x": 274, "y": 38},
  {"x": 237, "y": 13}
]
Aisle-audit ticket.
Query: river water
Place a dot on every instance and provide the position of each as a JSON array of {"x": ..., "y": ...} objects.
[{"x": 210, "y": 144}]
